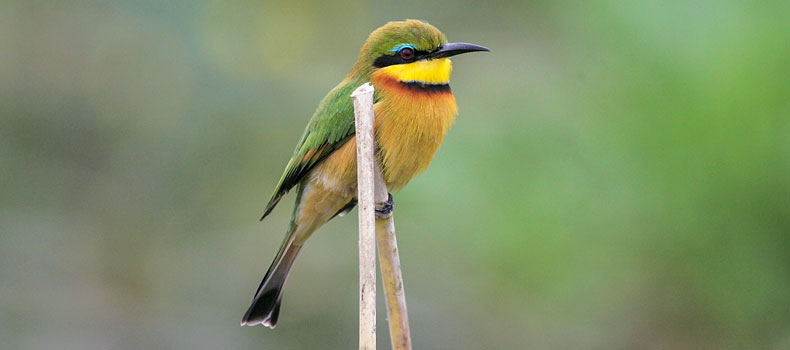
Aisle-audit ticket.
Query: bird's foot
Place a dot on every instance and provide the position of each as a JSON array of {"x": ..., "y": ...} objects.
[{"x": 385, "y": 211}]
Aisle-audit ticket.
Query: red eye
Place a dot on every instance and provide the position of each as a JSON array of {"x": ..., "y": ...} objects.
[{"x": 407, "y": 53}]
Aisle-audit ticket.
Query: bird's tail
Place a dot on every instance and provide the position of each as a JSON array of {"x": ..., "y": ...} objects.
[{"x": 265, "y": 305}]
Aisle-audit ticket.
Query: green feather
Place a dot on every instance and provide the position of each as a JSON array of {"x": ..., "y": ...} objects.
[
  {"x": 332, "y": 124},
  {"x": 330, "y": 127}
]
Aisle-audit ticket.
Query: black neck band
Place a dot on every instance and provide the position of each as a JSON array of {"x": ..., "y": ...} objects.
[{"x": 426, "y": 87}]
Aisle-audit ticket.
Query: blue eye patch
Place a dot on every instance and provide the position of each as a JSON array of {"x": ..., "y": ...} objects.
[{"x": 401, "y": 46}]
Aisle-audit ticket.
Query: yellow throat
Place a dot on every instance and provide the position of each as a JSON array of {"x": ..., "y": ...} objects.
[{"x": 430, "y": 72}]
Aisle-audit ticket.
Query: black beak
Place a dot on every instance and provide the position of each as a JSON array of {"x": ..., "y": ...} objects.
[{"x": 452, "y": 49}]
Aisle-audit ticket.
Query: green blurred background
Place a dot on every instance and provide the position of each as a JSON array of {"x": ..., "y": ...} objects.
[{"x": 618, "y": 176}]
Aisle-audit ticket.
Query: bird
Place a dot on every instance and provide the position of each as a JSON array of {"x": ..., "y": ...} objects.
[{"x": 408, "y": 64}]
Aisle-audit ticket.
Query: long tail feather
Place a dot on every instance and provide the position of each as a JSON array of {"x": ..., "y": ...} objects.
[{"x": 265, "y": 305}]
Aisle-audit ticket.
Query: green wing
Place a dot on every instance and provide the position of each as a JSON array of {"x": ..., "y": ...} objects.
[{"x": 331, "y": 126}]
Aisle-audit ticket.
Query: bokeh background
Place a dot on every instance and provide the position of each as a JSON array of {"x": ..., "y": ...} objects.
[{"x": 618, "y": 176}]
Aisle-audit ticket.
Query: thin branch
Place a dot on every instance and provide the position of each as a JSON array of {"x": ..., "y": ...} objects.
[
  {"x": 392, "y": 281},
  {"x": 363, "y": 113},
  {"x": 373, "y": 194}
]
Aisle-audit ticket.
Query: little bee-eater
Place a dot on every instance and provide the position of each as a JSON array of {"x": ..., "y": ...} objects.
[{"x": 407, "y": 63}]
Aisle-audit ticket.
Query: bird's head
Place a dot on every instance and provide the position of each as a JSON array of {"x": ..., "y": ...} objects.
[{"x": 410, "y": 51}]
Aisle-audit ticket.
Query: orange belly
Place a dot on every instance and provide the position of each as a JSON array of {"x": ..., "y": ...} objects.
[{"x": 410, "y": 126}]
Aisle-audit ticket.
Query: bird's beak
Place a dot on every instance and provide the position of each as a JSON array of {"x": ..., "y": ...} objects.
[{"x": 452, "y": 49}]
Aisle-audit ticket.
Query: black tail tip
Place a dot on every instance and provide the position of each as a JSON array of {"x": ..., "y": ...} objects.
[
  {"x": 264, "y": 310},
  {"x": 267, "y": 323}
]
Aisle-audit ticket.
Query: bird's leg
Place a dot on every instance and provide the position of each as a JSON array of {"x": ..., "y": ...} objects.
[{"x": 385, "y": 210}]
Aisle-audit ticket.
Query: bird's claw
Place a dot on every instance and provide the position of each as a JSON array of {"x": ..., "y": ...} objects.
[{"x": 385, "y": 211}]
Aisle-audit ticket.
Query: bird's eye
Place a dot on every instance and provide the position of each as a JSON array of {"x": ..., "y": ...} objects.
[{"x": 407, "y": 53}]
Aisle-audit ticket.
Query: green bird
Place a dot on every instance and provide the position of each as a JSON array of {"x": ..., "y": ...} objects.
[{"x": 407, "y": 63}]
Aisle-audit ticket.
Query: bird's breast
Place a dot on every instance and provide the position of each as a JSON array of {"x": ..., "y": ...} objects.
[{"x": 412, "y": 119}]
